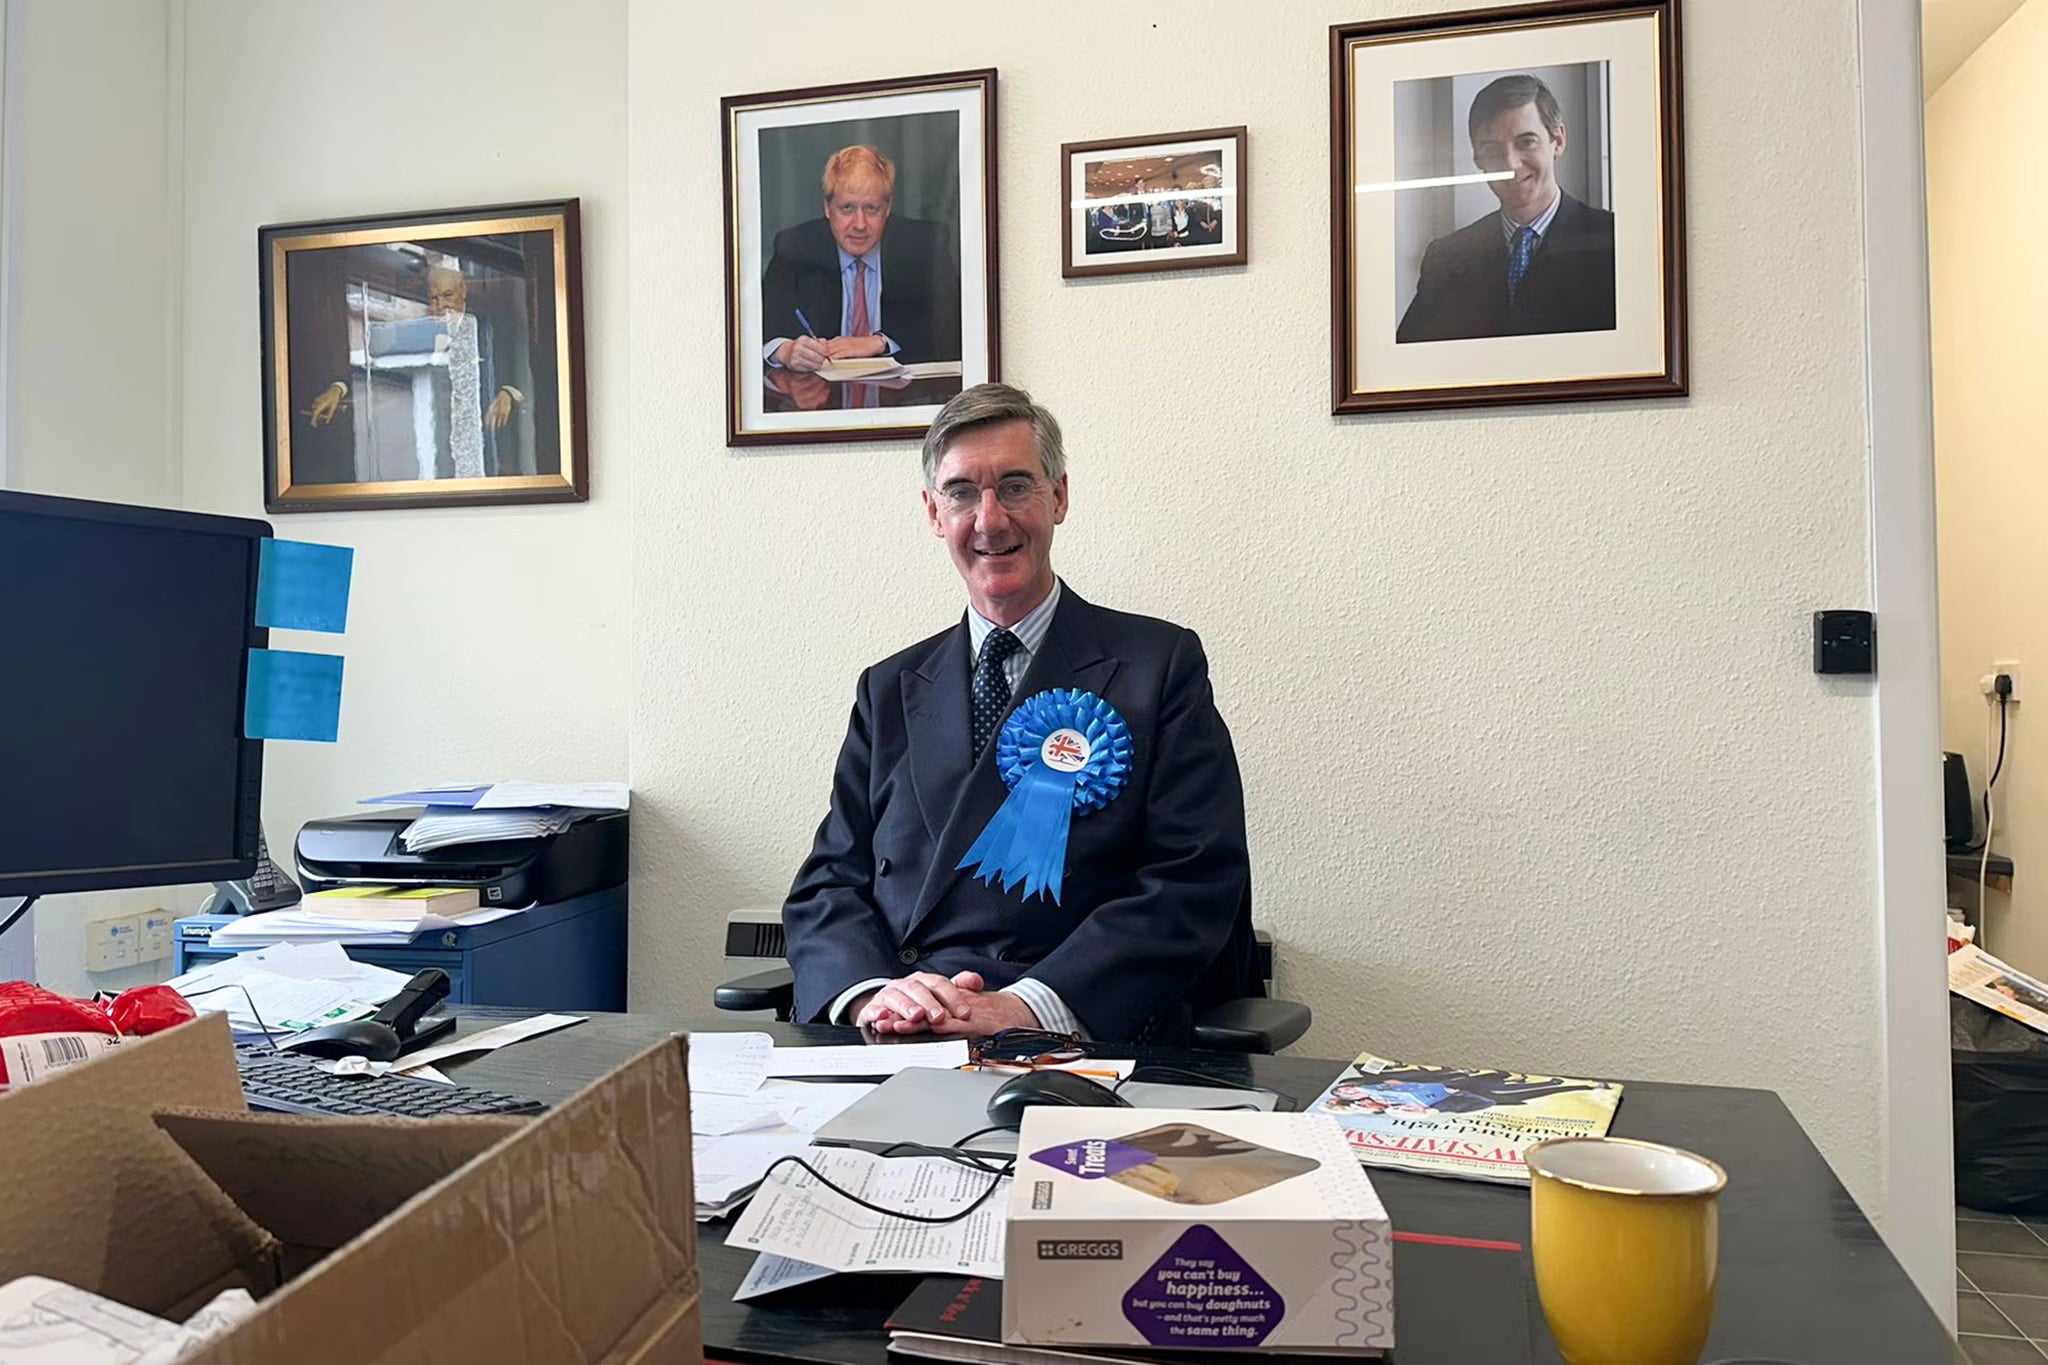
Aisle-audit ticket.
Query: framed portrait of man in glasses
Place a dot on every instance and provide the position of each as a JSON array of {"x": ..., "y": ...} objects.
[{"x": 860, "y": 256}]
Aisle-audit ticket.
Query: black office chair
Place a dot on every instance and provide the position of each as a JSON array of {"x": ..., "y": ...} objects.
[{"x": 1251, "y": 1024}]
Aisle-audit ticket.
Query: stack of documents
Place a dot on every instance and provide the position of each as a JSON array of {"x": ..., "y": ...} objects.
[
  {"x": 447, "y": 826},
  {"x": 741, "y": 1123},
  {"x": 299, "y": 925},
  {"x": 480, "y": 812},
  {"x": 288, "y": 988}
]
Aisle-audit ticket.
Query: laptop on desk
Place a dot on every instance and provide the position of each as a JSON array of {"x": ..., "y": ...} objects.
[{"x": 940, "y": 1108}]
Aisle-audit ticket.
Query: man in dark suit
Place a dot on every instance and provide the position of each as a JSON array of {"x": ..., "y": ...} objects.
[
  {"x": 858, "y": 282},
  {"x": 1544, "y": 263},
  {"x": 1154, "y": 920}
]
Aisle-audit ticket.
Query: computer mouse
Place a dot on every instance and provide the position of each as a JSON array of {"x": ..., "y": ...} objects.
[
  {"x": 1006, "y": 1107},
  {"x": 356, "y": 1038}
]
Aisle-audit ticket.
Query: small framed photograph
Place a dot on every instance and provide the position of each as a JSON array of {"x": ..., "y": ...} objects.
[
  {"x": 424, "y": 359},
  {"x": 860, "y": 256},
  {"x": 1172, "y": 202},
  {"x": 1508, "y": 209}
]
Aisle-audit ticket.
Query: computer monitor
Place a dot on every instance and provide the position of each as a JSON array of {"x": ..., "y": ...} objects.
[{"x": 124, "y": 635}]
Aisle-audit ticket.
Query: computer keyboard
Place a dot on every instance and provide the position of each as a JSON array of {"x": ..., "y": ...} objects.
[{"x": 287, "y": 1083}]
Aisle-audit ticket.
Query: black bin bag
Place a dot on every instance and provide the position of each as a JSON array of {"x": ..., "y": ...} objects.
[{"x": 2000, "y": 1069}]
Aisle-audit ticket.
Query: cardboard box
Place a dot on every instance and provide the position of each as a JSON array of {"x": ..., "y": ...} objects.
[
  {"x": 1195, "y": 1229},
  {"x": 142, "y": 1176}
]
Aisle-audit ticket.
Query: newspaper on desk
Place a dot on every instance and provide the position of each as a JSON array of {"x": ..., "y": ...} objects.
[
  {"x": 795, "y": 1216},
  {"x": 1976, "y": 975}
]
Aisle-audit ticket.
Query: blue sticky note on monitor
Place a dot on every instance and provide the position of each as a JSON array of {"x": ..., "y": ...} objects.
[
  {"x": 300, "y": 586},
  {"x": 292, "y": 696}
]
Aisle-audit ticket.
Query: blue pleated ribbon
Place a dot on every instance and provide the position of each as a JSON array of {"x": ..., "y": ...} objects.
[{"x": 1026, "y": 840}]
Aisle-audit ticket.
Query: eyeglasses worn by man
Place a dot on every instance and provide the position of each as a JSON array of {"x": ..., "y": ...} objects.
[{"x": 906, "y": 918}]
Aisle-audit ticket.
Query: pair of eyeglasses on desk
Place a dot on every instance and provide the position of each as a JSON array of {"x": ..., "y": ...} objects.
[
  {"x": 1024, "y": 1048},
  {"x": 1031, "y": 1049}
]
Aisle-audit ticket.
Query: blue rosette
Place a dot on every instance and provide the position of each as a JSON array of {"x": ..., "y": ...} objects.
[{"x": 1063, "y": 753}]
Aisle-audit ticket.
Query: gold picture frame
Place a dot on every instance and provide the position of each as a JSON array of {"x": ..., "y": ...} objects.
[{"x": 429, "y": 359}]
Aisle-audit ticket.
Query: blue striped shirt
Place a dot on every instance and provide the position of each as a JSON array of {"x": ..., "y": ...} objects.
[
  {"x": 1509, "y": 227},
  {"x": 1030, "y": 633}
]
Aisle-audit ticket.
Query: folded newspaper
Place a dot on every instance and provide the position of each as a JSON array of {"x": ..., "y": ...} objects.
[
  {"x": 1976, "y": 975},
  {"x": 1473, "y": 1124}
]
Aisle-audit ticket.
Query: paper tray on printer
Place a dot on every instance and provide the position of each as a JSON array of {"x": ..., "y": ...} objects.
[{"x": 591, "y": 855}]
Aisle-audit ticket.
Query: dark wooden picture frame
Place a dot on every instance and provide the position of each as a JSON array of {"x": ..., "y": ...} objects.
[
  {"x": 1143, "y": 230},
  {"x": 424, "y": 359},
  {"x": 933, "y": 254},
  {"x": 1475, "y": 346}
]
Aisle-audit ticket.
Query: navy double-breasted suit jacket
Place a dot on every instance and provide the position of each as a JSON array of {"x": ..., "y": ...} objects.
[{"x": 1155, "y": 916}]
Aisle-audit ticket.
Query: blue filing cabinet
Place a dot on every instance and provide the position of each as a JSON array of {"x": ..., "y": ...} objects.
[{"x": 566, "y": 956}]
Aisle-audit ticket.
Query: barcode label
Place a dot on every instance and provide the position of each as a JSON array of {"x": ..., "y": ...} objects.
[
  {"x": 30, "y": 1057},
  {"x": 62, "y": 1051}
]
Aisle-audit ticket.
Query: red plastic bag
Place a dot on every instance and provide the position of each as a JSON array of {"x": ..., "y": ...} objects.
[
  {"x": 143, "y": 1010},
  {"x": 42, "y": 1032}
]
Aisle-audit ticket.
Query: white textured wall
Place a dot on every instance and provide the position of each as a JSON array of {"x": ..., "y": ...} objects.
[
  {"x": 93, "y": 276},
  {"x": 1538, "y": 769},
  {"x": 1988, "y": 298},
  {"x": 482, "y": 642}
]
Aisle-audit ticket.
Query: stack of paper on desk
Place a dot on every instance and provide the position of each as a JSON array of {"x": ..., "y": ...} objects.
[
  {"x": 288, "y": 987},
  {"x": 299, "y": 925},
  {"x": 741, "y": 1123}
]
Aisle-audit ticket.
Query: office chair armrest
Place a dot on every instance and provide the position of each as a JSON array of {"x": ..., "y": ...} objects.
[
  {"x": 770, "y": 990},
  {"x": 1255, "y": 1024}
]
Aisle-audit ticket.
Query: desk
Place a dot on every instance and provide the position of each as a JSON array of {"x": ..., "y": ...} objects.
[{"x": 1803, "y": 1274}]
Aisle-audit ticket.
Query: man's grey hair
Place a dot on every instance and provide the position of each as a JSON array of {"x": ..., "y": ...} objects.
[{"x": 985, "y": 405}]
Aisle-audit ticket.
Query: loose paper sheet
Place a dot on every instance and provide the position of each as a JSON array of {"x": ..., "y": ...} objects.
[
  {"x": 859, "y": 1060},
  {"x": 793, "y": 1215},
  {"x": 770, "y": 1273},
  {"x": 728, "y": 1063},
  {"x": 490, "y": 1040}
]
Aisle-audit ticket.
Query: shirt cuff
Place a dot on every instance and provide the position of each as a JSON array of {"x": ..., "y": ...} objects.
[
  {"x": 837, "y": 1014},
  {"x": 768, "y": 352},
  {"x": 1053, "y": 1014},
  {"x": 894, "y": 349}
]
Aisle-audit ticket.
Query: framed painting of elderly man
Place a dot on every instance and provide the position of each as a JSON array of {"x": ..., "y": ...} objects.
[
  {"x": 1508, "y": 207},
  {"x": 860, "y": 264},
  {"x": 424, "y": 359}
]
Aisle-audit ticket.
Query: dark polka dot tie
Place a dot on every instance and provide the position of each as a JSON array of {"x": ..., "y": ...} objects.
[
  {"x": 992, "y": 684},
  {"x": 1518, "y": 260}
]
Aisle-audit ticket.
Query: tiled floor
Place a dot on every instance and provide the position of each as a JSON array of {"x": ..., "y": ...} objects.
[{"x": 2002, "y": 1288}]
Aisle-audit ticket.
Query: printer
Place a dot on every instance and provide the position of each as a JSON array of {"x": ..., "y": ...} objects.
[{"x": 343, "y": 850}]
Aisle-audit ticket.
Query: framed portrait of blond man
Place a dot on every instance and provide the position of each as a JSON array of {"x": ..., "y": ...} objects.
[
  {"x": 860, "y": 256},
  {"x": 1508, "y": 207}
]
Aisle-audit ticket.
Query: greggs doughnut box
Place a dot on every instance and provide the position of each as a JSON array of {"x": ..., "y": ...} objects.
[{"x": 1195, "y": 1229}]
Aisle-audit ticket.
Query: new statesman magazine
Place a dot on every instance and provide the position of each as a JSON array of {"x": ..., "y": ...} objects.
[{"x": 1474, "y": 1124}]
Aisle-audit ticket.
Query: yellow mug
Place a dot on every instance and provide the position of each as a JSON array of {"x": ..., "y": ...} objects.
[{"x": 1626, "y": 1240}]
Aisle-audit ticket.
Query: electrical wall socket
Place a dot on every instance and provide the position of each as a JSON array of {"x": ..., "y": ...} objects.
[
  {"x": 2010, "y": 667},
  {"x": 113, "y": 943},
  {"x": 156, "y": 935}
]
